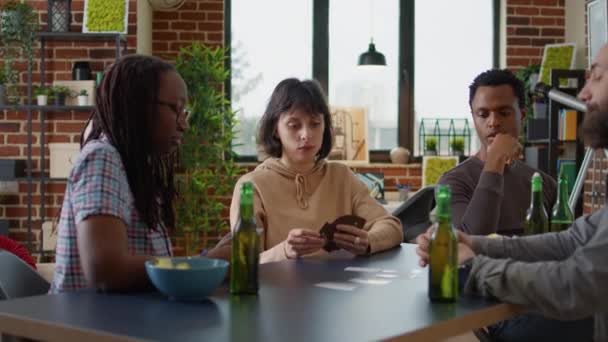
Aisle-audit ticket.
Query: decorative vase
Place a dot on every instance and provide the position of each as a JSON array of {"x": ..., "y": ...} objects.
[
  {"x": 42, "y": 100},
  {"x": 81, "y": 71},
  {"x": 400, "y": 155},
  {"x": 430, "y": 152},
  {"x": 83, "y": 100},
  {"x": 59, "y": 99}
]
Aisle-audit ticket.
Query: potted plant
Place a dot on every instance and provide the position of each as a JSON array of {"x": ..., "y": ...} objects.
[
  {"x": 457, "y": 146},
  {"x": 18, "y": 27},
  {"x": 3, "y": 85},
  {"x": 534, "y": 107},
  {"x": 83, "y": 98},
  {"x": 59, "y": 94},
  {"x": 430, "y": 146},
  {"x": 207, "y": 169},
  {"x": 42, "y": 95}
]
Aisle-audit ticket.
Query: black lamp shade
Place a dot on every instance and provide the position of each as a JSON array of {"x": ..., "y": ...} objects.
[{"x": 372, "y": 57}]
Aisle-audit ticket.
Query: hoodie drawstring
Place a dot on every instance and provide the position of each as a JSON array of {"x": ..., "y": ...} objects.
[{"x": 301, "y": 191}]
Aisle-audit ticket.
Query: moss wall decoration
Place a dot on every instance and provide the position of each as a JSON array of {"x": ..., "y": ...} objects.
[
  {"x": 106, "y": 16},
  {"x": 557, "y": 56}
]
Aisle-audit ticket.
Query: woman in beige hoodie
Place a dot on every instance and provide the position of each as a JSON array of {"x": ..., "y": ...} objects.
[{"x": 297, "y": 191}]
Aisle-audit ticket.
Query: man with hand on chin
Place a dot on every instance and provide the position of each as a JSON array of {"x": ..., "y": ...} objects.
[
  {"x": 491, "y": 190},
  {"x": 560, "y": 275}
]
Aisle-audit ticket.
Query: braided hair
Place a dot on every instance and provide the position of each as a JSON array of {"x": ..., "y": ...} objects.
[{"x": 126, "y": 113}]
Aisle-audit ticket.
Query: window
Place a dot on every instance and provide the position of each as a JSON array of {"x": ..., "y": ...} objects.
[
  {"x": 462, "y": 47},
  {"x": 351, "y": 25},
  {"x": 430, "y": 59},
  {"x": 264, "y": 52}
]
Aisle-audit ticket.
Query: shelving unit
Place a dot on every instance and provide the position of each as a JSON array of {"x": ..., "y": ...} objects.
[
  {"x": 552, "y": 142},
  {"x": 120, "y": 41}
]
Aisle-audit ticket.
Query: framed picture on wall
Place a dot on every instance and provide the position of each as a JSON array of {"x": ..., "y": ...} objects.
[
  {"x": 350, "y": 135},
  {"x": 106, "y": 16},
  {"x": 597, "y": 24}
]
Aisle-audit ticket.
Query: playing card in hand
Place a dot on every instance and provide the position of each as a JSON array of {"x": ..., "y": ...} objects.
[{"x": 328, "y": 229}]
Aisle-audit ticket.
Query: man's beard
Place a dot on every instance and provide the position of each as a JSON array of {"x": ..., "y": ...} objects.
[{"x": 595, "y": 129}]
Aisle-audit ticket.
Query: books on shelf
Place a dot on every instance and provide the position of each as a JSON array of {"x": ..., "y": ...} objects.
[{"x": 567, "y": 124}]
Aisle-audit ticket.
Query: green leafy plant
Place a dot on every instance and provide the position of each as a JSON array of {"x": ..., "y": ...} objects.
[
  {"x": 524, "y": 75},
  {"x": 457, "y": 144},
  {"x": 60, "y": 90},
  {"x": 18, "y": 27},
  {"x": 42, "y": 91},
  {"x": 105, "y": 15},
  {"x": 207, "y": 170},
  {"x": 83, "y": 92},
  {"x": 430, "y": 144}
]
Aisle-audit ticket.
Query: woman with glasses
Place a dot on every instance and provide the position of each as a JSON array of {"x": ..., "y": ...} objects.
[{"x": 117, "y": 210}]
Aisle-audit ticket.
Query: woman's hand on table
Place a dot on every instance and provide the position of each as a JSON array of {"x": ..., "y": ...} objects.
[
  {"x": 465, "y": 247},
  {"x": 352, "y": 239},
  {"x": 301, "y": 242}
]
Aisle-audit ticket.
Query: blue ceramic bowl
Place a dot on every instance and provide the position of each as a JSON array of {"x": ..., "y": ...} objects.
[{"x": 186, "y": 278}]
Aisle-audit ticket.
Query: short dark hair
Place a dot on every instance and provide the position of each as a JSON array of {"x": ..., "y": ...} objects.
[
  {"x": 496, "y": 77},
  {"x": 289, "y": 95}
]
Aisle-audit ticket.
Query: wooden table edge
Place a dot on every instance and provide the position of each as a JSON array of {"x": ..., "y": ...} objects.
[
  {"x": 463, "y": 324},
  {"x": 44, "y": 331}
]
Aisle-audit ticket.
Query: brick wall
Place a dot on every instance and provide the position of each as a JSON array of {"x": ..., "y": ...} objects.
[
  {"x": 196, "y": 20},
  {"x": 530, "y": 25},
  {"x": 60, "y": 127}
]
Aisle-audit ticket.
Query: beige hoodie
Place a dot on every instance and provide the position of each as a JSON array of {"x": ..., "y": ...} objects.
[{"x": 285, "y": 200}]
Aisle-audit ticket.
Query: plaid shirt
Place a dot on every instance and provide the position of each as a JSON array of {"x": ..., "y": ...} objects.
[{"x": 98, "y": 185}]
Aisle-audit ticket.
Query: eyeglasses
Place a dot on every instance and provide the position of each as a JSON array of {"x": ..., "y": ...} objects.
[{"x": 179, "y": 112}]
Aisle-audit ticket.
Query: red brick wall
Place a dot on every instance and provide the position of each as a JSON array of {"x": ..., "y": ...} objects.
[
  {"x": 530, "y": 25},
  {"x": 196, "y": 20},
  {"x": 59, "y": 126},
  {"x": 595, "y": 197}
]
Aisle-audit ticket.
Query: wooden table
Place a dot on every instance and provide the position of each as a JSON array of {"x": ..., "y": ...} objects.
[{"x": 289, "y": 307}]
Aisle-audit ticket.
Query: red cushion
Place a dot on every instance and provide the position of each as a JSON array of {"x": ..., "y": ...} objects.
[{"x": 17, "y": 249}]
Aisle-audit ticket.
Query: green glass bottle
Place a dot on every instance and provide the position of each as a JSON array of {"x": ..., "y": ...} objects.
[
  {"x": 537, "y": 221},
  {"x": 245, "y": 251},
  {"x": 562, "y": 217},
  {"x": 443, "y": 251}
]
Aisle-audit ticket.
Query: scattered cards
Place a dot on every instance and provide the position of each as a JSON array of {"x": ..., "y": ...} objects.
[
  {"x": 337, "y": 286},
  {"x": 362, "y": 269},
  {"x": 370, "y": 281}
]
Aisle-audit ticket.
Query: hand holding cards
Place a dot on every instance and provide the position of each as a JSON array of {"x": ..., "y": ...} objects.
[
  {"x": 301, "y": 242},
  {"x": 339, "y": 234}
]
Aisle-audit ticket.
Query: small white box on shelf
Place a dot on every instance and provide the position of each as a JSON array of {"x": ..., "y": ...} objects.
[{"x": 63, "y": 157}]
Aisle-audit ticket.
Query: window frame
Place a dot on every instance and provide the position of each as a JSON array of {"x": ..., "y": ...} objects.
[{"x": 320, "y": 65}]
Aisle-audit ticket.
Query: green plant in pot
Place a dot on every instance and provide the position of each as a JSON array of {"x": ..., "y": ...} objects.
[
  {"x": 430, "y": 146},
  {"x": 42, "y": 95},
  {"x": 529, "y": 76},
  {"x": 59, "y": 94},
  {"x": 3, "y": 87},
  {"x": 457, "y": 146},
  {"x": 207, "y": 170},
  {"x": 18, "y": 27}
]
